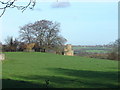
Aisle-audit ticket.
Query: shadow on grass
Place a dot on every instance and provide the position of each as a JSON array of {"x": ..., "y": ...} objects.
[
  {"x": 111, "y": 76},
  {"x": 91, "y": 78},
  {"x": 10, "y": 83},
  {"x": 69, "y": 78}
]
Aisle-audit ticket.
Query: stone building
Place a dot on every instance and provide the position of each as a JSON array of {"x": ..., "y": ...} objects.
[{"x": 68, "y": 50}]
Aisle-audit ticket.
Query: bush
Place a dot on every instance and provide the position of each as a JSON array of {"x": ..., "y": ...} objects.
[
  {"x": 101, "y": 56},
  {"x": 113, "y": 56}
]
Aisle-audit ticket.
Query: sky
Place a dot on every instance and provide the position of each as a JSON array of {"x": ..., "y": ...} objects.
[{"x": 82, "y": 23}]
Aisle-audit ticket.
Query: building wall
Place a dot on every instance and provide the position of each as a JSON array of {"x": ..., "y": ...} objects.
[{"x": 68, "y": 50}]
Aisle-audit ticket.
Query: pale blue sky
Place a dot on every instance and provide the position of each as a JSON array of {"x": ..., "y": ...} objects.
[{"x": 82, "y": 23}]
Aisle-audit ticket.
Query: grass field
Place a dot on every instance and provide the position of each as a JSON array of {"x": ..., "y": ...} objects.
[
  {"x": 96, "y": 49},
  {"x": 31, "y": 70}
]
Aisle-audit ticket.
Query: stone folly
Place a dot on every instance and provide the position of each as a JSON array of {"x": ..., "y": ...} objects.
[{"x": 68, "y": 50}]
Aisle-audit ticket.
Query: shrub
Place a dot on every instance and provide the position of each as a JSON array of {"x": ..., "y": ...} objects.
[{"x": 113, "y": 56}]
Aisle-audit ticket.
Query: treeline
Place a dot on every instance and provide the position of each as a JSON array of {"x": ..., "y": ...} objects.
[{"x": 40, "y": 36}]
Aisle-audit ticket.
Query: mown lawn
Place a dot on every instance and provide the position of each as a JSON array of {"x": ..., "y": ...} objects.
[{"x": 32, "y": 69}]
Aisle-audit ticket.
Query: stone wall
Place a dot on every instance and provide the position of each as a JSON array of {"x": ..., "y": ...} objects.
[{"x": 2, "y": 56}]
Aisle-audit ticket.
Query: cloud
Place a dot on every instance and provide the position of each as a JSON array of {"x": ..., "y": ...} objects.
[{"x": 60, "y": 4}]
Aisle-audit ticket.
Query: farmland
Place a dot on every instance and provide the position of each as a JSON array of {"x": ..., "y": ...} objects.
[
  {"x": 31, "y": 70},
  {"x": 92, "y": 49}
]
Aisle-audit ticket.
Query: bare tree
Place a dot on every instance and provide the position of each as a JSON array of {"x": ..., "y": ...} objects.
[
  {"x": 116, "y": 46},
  {"x": 115, "y": 53},
  {"x": 44, "y": 33},
  {"x": 26, "y": 33},
  {"x": 9, "y": 40},
  {"x": 48, "y": 34},
  {"x": 10, "y": 44}
]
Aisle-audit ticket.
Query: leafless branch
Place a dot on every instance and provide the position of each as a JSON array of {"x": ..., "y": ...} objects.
[{"x": 11, "y": 4}]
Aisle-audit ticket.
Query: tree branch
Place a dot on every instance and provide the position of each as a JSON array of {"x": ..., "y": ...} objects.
[{"x": 10, "y": 4}]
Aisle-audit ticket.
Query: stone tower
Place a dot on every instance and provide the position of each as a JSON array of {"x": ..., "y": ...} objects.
[{"x": 68, "y": 50}]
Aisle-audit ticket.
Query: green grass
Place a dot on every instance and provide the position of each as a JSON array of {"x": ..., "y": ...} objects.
[
  {"x": 97, "y": 51},
  {"x": 23, "y": 69},
  {"x": 74, "y": 48},
  {"x": 93, "y": 49}
]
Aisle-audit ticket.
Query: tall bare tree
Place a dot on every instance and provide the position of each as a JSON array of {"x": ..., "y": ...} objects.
[
  {"x": 26, "y": 33},
  {"x": 44, "y": 33}
]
